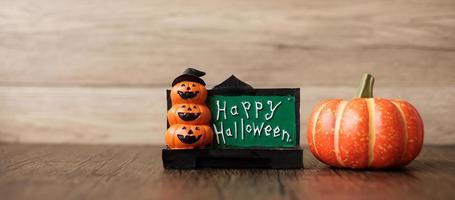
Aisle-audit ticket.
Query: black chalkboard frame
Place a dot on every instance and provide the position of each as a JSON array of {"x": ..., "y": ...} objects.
[
  {"x": 235, "y": 87},
  {"x": 284, "y": 158}
]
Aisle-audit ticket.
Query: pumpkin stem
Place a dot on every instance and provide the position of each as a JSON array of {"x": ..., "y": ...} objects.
[{"x": 366, "y": 86}]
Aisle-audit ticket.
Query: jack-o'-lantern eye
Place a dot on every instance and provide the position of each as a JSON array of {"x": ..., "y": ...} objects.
[
  {"x": 194, "y": 106},
  {"x": 197, "y": 128},
  {"x": 183, "y": 106},
  {"x": 184, "y": 128},
  {"x": 183, "y": 85},
  {"x": 194, "y": 85}
]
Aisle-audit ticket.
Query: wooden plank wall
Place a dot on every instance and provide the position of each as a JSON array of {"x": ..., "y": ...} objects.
[{"x": 95, "y": 71}]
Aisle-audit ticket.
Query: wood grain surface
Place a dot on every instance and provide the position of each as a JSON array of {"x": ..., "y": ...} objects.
[
  {"x": 137, "y": 115},
  {"x": 135, "y": 172},
  {"x": 82, "y": 71},
  {"x": 269, "y": 43}
]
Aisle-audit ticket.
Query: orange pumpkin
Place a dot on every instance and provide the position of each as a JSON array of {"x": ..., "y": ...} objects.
[
  {"x": 189, "y": 114},
  {"x": 188, "y": 92},
  {"x": 366, "y": 132},
  {"x": 185, "y": 136}
]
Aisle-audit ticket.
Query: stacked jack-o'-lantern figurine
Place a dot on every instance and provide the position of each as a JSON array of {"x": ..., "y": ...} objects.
[{"x": 189, "y": 117}]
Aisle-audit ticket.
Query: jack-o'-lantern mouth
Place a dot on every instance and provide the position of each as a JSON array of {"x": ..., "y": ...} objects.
[
  {"x": 190, "y": 138},
  {"x": 188, "y": 116},
  {"x": 187, "y": 95}
]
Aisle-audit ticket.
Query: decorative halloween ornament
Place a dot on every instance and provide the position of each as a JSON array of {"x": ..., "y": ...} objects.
[
  {"x": 366, "y": 132},
  {"x": 189, "y": 117},
  {"x": 250, "y": 128},
  {"x": 189, "y": 88},
  {"x": 185, "y": 136},
  {"x": 189, "y": 114}
]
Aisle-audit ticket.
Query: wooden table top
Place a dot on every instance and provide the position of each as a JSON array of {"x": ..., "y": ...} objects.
[{"x": 136, "y": 172}]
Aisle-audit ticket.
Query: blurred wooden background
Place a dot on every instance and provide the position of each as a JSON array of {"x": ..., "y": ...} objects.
[{"x": 84, "y": 71}]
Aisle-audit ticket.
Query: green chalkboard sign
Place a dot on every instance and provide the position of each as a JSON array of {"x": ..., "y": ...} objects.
[
  {"x": 243, "y": 117},
  {"x": 254, "y": 121},
  {"x": 252, "y": 128}
]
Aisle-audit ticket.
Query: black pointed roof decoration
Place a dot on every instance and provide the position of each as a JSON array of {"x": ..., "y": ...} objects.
[
  {"x": 233, "y": 84},
  {"x": 190, "y": 74}
]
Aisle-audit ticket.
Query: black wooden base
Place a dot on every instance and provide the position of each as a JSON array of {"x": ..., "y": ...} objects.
[{"x": 233, "y": 158}]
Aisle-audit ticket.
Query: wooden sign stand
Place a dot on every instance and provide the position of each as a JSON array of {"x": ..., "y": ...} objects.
[{"x": 235, "y": 157}]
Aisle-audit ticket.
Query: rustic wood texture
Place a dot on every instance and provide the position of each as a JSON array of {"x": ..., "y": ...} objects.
[
  {"x": 86, "y": 71},
  {"x": 269, "y": 43},
  {"x": 137, "y": 115},
  {"x": 135, "y": 172}
]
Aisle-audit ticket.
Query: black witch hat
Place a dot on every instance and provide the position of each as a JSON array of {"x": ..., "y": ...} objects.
[{"x": 190, "y": 74}]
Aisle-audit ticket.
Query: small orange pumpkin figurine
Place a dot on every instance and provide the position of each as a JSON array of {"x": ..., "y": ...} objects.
[
  {"x": 189, "y": 88},
  {"x": 189, "y": 117},
  {"x": 366, "y": 132},
  {"x": 185, "y": 136},
  {"x": 189, "y": 114}
]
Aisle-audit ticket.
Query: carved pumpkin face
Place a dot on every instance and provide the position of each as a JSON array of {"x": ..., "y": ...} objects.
[
  {"x": 188, "y": 92},
  {"x": 184, "y": 136},
  {"x": 188, "y": 114}
]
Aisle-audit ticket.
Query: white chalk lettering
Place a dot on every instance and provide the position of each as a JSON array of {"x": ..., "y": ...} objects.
[
  {"x": 248, "y": 128},
  {"x": 220, "y": 109},
  {"x": 234, "y": 111},
  {"x": 258, "y": 108},
  {"x": 269, "y": 116},
  {"x": 246, "y": 106},
  {"x": 232, "y": 124},
  {"x": 284, "y": 134},
  {"x": 218, "y": 133},
  {"x": 276, "y": 132},
  {"x": 235, "y": 130},
  {"x": 228, "y": 132},
  {"x": 257, "y": 130},
  {"x": 243, "y": 134},
  {"x": 267, "y": 130}
]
